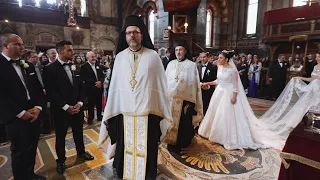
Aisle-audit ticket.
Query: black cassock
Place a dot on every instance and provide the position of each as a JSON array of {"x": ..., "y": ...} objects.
[
  {"x": 186, "y": 129},
  {"x": 116, "y": 132}
]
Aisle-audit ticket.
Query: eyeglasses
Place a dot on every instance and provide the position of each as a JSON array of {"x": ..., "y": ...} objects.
[{"x": 132, "y": 32}]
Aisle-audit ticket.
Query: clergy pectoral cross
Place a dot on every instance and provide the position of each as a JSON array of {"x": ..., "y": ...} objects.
[
  {"x": 177, "y": 79},
  {"x": 133, "y": 82}
]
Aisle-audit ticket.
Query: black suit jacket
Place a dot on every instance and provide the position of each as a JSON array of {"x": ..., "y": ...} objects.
[
  {"x": 209, "y": 75},
  {"x": 278, "y": 73},
  {"x": 44, "y": 63},
  {"x": 89, "y": 78},
  {"x": 165, "y": 62},
  {"x": 59, "y": 88},
  {"x": 13, "y": 96}
]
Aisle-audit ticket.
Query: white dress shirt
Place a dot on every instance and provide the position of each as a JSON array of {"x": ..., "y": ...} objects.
[
  {"x": 19, "y": 72},
  {"x": 280, "y": 63},
  {"x": 203, "y": 69},
  {"x": 69, "y": 73}
]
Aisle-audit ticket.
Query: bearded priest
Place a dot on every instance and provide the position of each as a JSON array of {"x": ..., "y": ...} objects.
[
  {"x": 137, "y": 104},
  {"x": 185, "y": 96}
]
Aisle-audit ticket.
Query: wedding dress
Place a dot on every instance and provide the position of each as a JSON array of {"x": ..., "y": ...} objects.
[{"x": 236, "y": 127}]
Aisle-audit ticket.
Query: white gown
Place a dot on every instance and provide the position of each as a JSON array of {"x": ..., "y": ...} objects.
[{"x": 235, "y": 125}]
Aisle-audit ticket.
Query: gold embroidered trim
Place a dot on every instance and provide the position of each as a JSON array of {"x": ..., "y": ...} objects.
[
  {"x": 134, "y": 152},
  {"x": 138, "y": 114},
  {"x": 299, "y": 159}
]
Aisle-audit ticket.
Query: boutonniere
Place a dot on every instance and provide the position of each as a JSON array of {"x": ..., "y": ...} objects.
[
  {"x": 208, "y": 71},
  {"x": 97, "y": 67},
  {"x": 24, "y": 64},
  {"x": 285, "y": 63},
  {"x": 73, "y": 67}
]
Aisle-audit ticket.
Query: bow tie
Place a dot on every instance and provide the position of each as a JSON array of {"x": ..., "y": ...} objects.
[
  {"x": 281, "y": 62},
  {"x": 17, "y": 62},
  {"x": 203, "y": 65},
  {"x": 67, "y": 64}
]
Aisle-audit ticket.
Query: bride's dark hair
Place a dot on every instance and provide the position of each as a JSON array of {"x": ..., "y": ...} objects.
[{"x": 228, "y": 54}]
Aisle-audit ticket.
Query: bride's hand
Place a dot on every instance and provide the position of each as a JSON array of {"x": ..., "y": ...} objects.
[{"x": 233, "y": 100}]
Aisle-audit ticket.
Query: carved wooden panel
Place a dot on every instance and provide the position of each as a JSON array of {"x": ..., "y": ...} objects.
[{"x": 295, "y": 27}]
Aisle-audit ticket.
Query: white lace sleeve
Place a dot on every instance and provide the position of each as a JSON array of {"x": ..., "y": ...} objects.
[{"x": 235, "y": 80}]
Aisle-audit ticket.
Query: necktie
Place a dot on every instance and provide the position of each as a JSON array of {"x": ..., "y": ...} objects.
[
  {"x": 39, "y": 75},
  {"x": 203, "y": 65}
]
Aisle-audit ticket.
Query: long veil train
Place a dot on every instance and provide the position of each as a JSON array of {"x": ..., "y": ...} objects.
[{"x": 275, "y": 125}]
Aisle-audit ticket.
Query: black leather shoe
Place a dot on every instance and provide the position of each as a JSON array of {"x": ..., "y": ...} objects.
[
  {"x": 85, "y": 156},
  {"x": 61, "y": 167},
  {"x": 37, "y": 177}
]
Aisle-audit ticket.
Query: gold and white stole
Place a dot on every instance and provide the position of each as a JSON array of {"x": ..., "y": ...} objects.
[
  {"x": 176, "y": 108},
  {"x": 135, "y": 147}
]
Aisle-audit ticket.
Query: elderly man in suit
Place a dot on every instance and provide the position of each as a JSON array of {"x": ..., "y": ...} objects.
[{"x": 92, "y": 75}]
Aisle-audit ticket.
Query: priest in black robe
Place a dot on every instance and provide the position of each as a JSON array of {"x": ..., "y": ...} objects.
[
  {"x": 185, "y": 96},
  {"x": 137, "y": 104}
]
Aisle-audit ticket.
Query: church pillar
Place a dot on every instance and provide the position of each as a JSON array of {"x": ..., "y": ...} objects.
[{"x": 269, "y": 5}]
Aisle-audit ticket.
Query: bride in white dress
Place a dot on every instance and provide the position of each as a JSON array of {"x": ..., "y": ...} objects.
[{"x": 231, "y": 122}]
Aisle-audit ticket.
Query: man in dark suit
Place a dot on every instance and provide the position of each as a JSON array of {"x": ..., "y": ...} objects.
[
  {"x": 66, "y": 93},
  {"x": 165, "y": 60},
  {"x": 277, "y": 75},
  {"x": 19, "y": 107},
  {"x": 309, "y": 65},
  {"x": 32, "y": 58},
  {"x": 207, "y": 73},
  {"x": 92, "y": 75}
]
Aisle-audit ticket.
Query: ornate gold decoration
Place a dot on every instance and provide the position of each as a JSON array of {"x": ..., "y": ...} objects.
[
  {"x": 135, "y": 152},
  {"x": 299, "y": 159},
  {"x": 134, "y": 68},
  {"x": 210, "y": 156},
  {"x": 178, "y": 71}
]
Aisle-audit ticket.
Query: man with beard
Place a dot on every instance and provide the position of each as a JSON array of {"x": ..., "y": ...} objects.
[
  {"x": 66, "y": 92},
  {"x": 185, "y": 96},
  {"x": 137, "y": 102}
]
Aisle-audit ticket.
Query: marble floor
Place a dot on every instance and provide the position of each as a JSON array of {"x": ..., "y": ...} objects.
[{"x": 187, "y": 164}]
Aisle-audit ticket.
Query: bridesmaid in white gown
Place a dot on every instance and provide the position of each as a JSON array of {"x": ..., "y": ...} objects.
[{"x": 231, "y": 122}]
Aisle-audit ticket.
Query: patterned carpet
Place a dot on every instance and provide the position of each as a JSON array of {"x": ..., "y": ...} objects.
[{"x": 202, "y": 160}]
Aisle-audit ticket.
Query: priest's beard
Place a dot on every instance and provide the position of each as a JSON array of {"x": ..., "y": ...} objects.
[{"x": 134, "y": 44}]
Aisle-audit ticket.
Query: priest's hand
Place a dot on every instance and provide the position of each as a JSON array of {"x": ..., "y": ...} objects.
[
  {"x": 27, "y": 116},
  {"x": 98, "y": 84}
]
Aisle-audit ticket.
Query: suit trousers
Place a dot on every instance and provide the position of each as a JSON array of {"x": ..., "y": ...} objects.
[
  {"x": 24, "y": 137},
  {"x": 95, "y": 100},
  {"x": 62, "y": 122}
]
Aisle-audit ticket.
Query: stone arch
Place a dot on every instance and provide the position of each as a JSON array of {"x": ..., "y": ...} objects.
[
  {"x": 136, "y": 11},
  {"x": 105, "y": 43},
  {"x": 220, "y": 9},
  {"x": 149, "y": 6},
  {"x": 32, "y": 37}
]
